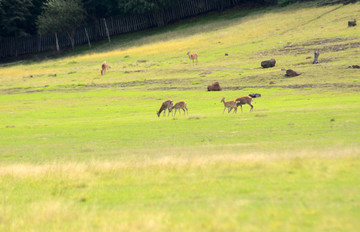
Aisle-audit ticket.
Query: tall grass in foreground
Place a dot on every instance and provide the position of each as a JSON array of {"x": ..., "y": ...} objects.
[{"x": 254, "y": 192}]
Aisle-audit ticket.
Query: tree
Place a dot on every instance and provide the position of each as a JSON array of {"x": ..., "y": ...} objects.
[
  {"x": 154, "y": 8},
  {"x": 100, "y": 9},
  {"x": 61, "y": 16},
  {"x": 14, "y": 17}
]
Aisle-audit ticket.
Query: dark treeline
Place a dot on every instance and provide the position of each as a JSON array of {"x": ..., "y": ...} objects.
[
  {"x": 18, "y": 20},
  {"x": 18, "y": 17}
]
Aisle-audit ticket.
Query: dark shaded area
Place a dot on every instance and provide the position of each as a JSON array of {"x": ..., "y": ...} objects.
[{"x": 104, "y": 18}]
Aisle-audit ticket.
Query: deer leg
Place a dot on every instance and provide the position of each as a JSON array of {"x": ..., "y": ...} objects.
[
  {"x": 252, "y": 107},
  {"x": 224, "y": 110}
]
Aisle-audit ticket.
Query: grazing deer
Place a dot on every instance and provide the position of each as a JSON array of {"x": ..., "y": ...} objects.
[
  {"x": 193, "y": 57},
  {"x": 166, "y": 105},
  {"x": 244, "y": 100},
  {"x": 230, "y": 105},
  {"x": 180, "y": 105},
  {"x": 104, "y": 67}
]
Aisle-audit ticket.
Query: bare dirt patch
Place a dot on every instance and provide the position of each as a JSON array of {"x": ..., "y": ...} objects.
[
  {"x": 169, "y": 85},
  {"x": 304, "y": 86},
  {"x": 322, "y": 45}
]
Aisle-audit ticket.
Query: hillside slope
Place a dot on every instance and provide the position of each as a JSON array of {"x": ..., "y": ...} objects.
[{"x": 290, "y": 35}]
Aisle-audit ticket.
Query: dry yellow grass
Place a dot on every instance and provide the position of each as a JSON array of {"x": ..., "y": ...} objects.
[{"x": 191, "y": 158}]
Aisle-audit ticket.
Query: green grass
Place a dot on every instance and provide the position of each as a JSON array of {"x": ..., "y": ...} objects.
[
  {"x": 55, "y": 125},
  {"x": 85, "y": 152}
]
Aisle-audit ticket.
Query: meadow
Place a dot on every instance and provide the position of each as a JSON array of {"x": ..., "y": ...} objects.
[{"x": 85, "y": 152}]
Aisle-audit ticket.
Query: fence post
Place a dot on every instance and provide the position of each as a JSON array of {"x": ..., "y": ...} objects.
[
  {"x": 87, "y": 36},
  {"x": 57, "y": 42},
  {"x": 107, "y": 30},
  {"x": 39, "y": 43}
]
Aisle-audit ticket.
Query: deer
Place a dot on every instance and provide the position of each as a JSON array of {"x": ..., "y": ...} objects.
[
  {"x": 230, "y": 105},
  {"x": 104, "y": 66},
  {"x": 244, "y": 100},
  {"x": 180, "y": 105},
  {"x": 193, "y": 57},
  {"x": 166, "y": 105}
]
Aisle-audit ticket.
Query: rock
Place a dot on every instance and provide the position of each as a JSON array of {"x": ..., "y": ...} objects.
[
  {"x": 268, "y": 63},
  {"x": 291, "y": 73},
  {"x": 214, "y": 87},
  {"x": 226, "y": 54},
  {"x": 255, "y": 95},
  {"x": 271, "y": 82},
  {"x": 352, "y": 23},
  {"x": 354, "y": 66}
]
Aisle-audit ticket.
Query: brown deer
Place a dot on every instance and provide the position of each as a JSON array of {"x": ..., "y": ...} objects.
[
  {"x": 244, "y": 100},
  {"x": 193, "y": 57},
  {"x": 166, "y": 105},
  {"x": 180, "y": 105},
  {"x": 104, "y": 67},
  {"x": 230, "y": 105}
]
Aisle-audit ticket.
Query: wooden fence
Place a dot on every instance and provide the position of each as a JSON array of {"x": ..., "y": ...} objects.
[{"x": 13, "y": 47}]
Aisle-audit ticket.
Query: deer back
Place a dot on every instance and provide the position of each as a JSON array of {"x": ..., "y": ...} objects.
[
  {"x": 168, "y": 103},
  {"x": 244, "y": 100},
  {"x": 180, "y": 104},
  {"x": 194, "y": 56},
  {"x": 231, "y": 103},
  {"x": 104, "y": 65}
]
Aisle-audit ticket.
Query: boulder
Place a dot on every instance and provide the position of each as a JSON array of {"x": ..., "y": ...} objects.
[
  {"x": 214, "y": 87},
  {"x": 354, "y": 66},
  {"x": 291, "y": 73},
  {"x": 268, "y": 63},
  {"x": 255, "y": 95},
  {"x": 352, "y": 23}
]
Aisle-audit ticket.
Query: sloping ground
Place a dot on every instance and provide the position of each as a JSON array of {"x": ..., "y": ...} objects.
[{"x": 290, "y": 35}]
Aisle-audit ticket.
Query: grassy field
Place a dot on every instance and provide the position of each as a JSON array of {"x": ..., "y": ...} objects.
[{"x": 85, "y": 152}]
